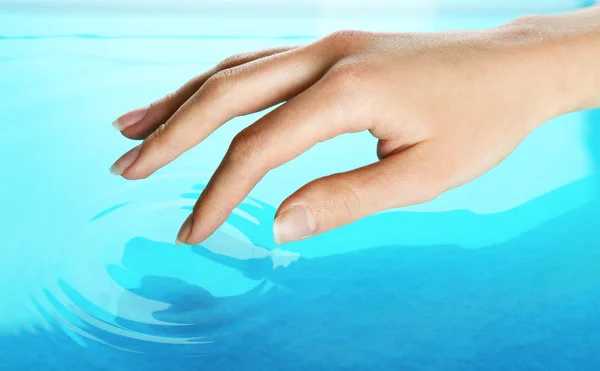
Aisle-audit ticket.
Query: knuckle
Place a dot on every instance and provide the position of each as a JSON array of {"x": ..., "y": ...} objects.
[
  {"x": 231, "y": 61},
  {"x": 218, "y": 82},
  {"x": 339, "y": 38},
  {"x": 157, "y": 138},
  {"x": 344, "y": 42},
  {"x": 349, "y": 201},
  {"x": 243, "y": 146},
  {"x": 225, "y": 75},
  {"x": 338, "y": 200},
  {"x": 160, "y": 142}
]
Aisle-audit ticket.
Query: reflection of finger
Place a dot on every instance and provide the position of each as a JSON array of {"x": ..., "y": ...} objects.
[
  {"x": 399, "y": 180},
  {"x": 278, "y": 137},
  {"x": 241, "y": 90},
  {"x": 227, "y": 245},
  {"x": 140, "y": 123}
]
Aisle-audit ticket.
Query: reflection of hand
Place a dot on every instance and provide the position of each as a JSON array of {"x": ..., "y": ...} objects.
[{"x": 446, "y": 107}]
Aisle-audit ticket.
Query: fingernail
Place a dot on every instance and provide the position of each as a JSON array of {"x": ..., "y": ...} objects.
[
  {"x": 294, "y": 224},
  {"x": 185, "y": 231},
  {"x": 130, "y": 118},
  {"x": 125, "y": 161}
]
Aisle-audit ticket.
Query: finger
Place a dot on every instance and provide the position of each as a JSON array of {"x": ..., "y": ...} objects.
[
  {"x": 241, "y": 90},
  {"x": 311, "y": 117},
  {"x": 141, "y": 122},
  {"x": 406, "y": 178}
]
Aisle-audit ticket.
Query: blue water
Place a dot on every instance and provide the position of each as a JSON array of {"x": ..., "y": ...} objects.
[{"x": 500, "y": 274}]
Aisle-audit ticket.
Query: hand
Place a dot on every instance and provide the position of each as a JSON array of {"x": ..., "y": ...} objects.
[{"x": 446, "y": 108}]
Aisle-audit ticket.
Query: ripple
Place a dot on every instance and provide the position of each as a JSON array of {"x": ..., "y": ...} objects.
[
  {"x": 122, "y": 281},
  {"x": 107, "y": 211}
]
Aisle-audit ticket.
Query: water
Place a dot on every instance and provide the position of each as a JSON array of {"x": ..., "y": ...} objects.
[{"x": 500, "y": 274}]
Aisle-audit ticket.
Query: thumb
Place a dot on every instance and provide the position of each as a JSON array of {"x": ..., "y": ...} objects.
[{"x": 402, "y": 179}]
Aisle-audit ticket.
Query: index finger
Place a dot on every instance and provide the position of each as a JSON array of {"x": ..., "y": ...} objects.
[{"x": 275, "y": 139}]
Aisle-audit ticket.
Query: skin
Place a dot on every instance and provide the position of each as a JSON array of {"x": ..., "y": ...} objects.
[{"x": 446, "y": 108}]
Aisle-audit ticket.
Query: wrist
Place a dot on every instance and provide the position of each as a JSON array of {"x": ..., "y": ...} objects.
[{"x": 565, "y": 50}]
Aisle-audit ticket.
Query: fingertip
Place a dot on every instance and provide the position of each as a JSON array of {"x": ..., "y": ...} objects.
[
  {"x": 185, "y": 230},
  {"x": 114, "y": 170},
  {"x": 138, "y": 164},
  {"x": 295, "y": 223},
  {"x": 130, "y": 118},
  {"x": 124, "y": 163}
]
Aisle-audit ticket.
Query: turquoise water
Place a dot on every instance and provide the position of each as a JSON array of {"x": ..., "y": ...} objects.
[{"x": 500, "y": 274}]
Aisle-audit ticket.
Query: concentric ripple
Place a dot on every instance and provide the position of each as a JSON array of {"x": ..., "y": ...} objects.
[{"x": 123, "y": 282}]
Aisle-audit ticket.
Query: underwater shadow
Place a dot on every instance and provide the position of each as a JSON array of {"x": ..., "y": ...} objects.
[{"x": 188, "y": 309}]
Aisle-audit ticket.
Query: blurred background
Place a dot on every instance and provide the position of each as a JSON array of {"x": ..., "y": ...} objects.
[{"x": 274, "y": 6}]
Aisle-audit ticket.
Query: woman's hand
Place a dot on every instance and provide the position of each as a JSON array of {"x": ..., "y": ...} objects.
[{"x": 446, "y": 108}]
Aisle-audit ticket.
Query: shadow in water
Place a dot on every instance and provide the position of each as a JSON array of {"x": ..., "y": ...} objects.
[
  {"x": 191, "y": 310},
  {"x": 531, "y": 303}
]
